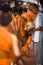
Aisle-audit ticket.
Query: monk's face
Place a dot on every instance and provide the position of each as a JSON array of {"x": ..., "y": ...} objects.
[
  {"x": 30, "y": 7},
  {"x": 33, "y": 8}
]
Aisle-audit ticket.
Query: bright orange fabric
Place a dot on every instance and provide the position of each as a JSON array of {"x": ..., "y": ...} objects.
[
  {"x": 22, "y": 32},
  {"x": 30, "y": 18},
  {"x": 4, "y": 61},
  {"x": 5, "y": 39},
  {"x": 17, "y": 16},
  {"x": 29, "y": 40},
  {"x": 26, "y": 16},
  {"x": 5, "y": 44},
  {"x": 21, "y": 25},
  {"x": 24, "y": 48},
  {"x": 32, "y": 15}
]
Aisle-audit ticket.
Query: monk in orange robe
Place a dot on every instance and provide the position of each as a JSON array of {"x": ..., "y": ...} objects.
[
  {"x": 8, "y": 42},
  {"x": 30, "y": 16}
]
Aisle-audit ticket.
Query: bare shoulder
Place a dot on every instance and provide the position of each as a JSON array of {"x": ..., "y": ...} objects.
[{"x": 14, "y": 37}]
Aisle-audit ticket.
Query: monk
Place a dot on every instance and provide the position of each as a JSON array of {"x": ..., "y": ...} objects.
[
  {"x": 8, "y": 42},
  {"x": 32, "y": 14}
]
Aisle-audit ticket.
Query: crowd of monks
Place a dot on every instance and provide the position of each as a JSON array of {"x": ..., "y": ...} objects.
[{"x": 22, "y": 25}]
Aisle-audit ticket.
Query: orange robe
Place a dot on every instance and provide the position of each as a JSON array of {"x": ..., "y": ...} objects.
[
  {"x": 20, "y": 25},
  {"x": 30, "y": 18},
  {"x": 24, "y": 48},
  {"x": 5, "y": 45},
  {"x": 26, "y": 16},
  {"x": 21, "y": 30}
]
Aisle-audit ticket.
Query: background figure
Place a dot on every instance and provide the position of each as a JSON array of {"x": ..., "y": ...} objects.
[{"x": 38, "y": 37}]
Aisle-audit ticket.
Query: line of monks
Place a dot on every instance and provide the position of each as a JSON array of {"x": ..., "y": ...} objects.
[{"x": 21, "y": 19}]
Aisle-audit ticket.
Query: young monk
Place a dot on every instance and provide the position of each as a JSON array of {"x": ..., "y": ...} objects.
[{"x": 8, "y": 42}]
